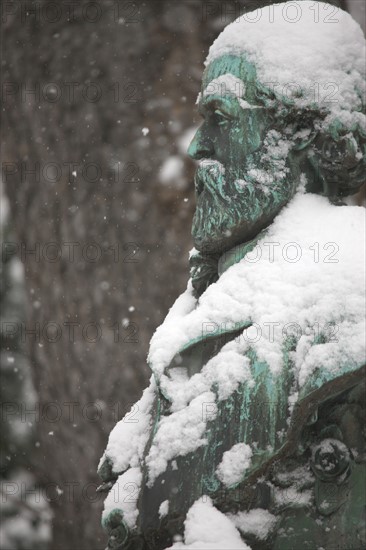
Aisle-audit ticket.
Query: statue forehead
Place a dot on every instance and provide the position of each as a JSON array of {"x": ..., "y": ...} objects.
[{"x": 237, "y": 66}]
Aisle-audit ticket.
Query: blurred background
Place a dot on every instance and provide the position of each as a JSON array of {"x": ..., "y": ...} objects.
[{"x": 98, "y": 104}]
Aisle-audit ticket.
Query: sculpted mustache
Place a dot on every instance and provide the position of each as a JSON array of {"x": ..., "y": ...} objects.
[
  {"x": 222, "y": 184},
  {"x": 210, "y": 177}
]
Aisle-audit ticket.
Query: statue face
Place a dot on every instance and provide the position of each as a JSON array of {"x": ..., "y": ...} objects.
[{"x": 242, "y": 180}]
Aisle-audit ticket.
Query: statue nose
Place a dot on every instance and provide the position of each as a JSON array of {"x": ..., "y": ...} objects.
[{"x": 201, "y": 146}]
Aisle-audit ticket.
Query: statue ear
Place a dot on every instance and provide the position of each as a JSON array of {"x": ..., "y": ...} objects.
[
  {"x": 343, "y": 149},
  {"x": 338, "y": 164},
  {"x": 302, "y": 140}
]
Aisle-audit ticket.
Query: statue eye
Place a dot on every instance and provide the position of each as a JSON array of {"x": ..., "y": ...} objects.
[{"x": 221, "y": 118}]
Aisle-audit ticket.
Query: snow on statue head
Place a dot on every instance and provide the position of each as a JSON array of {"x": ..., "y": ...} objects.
[{"x": 282, "y": 101}]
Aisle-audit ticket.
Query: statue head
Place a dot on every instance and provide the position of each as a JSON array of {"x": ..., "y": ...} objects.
[{"x": 283, "y": 107}]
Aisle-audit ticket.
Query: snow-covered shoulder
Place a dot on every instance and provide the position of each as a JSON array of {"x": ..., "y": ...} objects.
[{"x": 307, "y": 273}]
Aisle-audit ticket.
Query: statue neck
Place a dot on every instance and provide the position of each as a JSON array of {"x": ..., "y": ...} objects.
[
  {"x": 206, "y": 269},
  {"x": 234, "y": 255}
]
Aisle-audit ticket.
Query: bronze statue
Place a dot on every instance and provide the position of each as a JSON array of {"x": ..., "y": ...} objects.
[{"x": 251, "y": 434}]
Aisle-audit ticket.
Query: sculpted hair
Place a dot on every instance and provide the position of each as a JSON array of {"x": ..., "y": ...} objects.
[{"x": 333, "y": 155}]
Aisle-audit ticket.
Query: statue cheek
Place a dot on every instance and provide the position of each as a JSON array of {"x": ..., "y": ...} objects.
[
  {"x": 246, "y": 138},
  {"x": 225, "y": 146},
  {"x": 255, "y": 127},
  {"x": 239, "y": 147}
]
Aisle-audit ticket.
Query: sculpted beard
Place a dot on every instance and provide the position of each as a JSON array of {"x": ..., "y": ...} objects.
[
  {"x": 210, "y": 220},
  {"x": 232, "y": 210}
]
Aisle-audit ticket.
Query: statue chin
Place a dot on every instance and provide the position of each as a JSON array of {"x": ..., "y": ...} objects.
[
  {"x": 216, "y": 242},
  {"x": 219, "y": 224},
  {"x": 221, "y": 238}
]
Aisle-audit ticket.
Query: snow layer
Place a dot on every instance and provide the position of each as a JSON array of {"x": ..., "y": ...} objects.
[
  {"x": 227, "y": 370},
  {"x": 179, "y": 434},
  {"x": 227, "y": 84},
  {"x": 123, "y": 496},
  {"x": 164, "y": 509},
  {"x": 305, "y": 51},
  {"x": 256, "y": 522},
  {"x": 128, "y": 438},
  {"x": 224, "y": 84},
  {"x": 208, "y": 529},
  {"x": 234, "y": 464}
]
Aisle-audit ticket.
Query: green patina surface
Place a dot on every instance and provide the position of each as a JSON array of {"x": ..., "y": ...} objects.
[
  {"x": 233, "y": 135},
  {"x": 330, "y": 414}
]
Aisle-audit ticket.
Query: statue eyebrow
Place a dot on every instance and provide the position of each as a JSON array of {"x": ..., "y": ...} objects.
[
  {"x": 215, "y": 102},
  {"x": 212, "y": 102}
]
